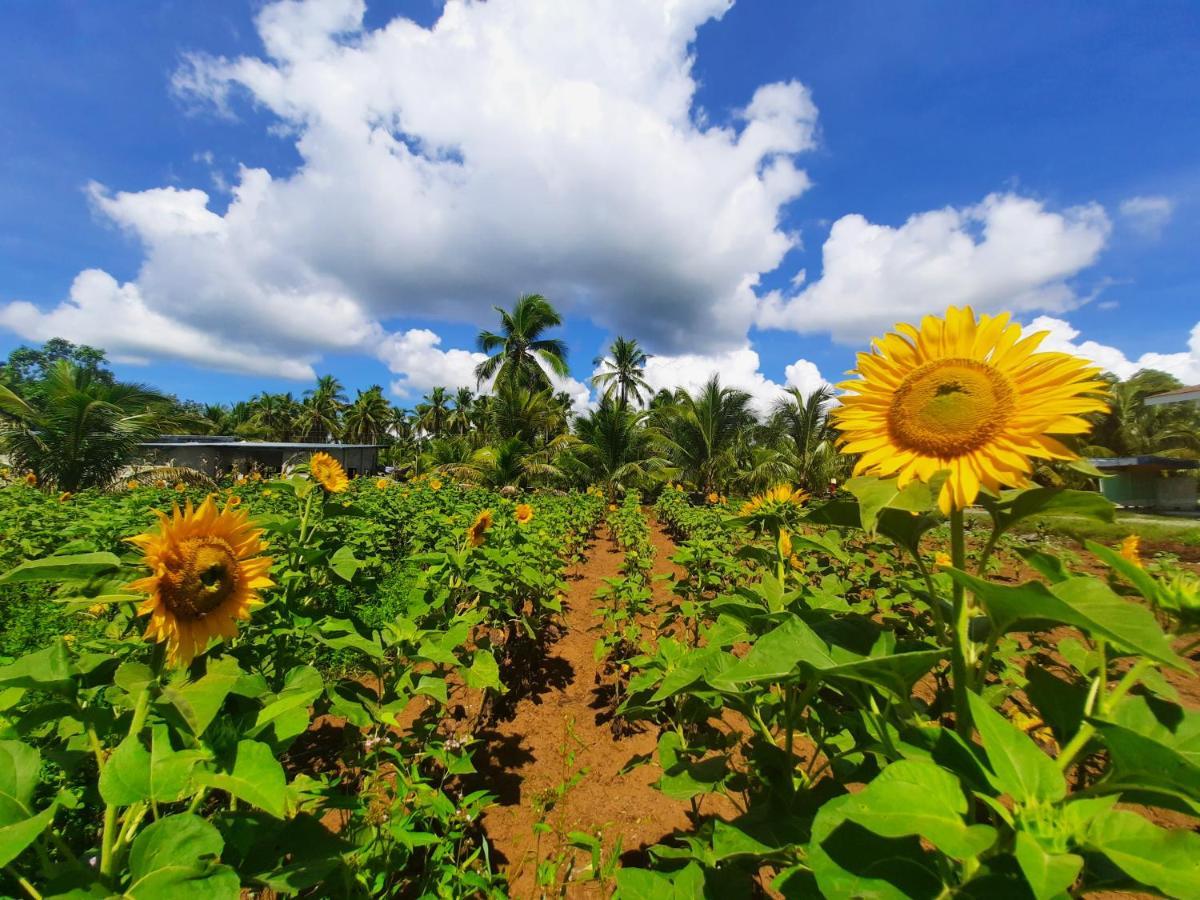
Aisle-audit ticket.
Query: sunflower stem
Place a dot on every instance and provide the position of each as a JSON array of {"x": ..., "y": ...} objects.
[
  {"x": 141, "y": 710},
  {"x": 960, "y": 636}
]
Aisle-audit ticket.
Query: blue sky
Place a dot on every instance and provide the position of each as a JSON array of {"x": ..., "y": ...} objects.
[{"x": 1080, "y": 121}]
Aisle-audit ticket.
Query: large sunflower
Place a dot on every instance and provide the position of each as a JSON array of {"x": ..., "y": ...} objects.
[
  {"x": 328, "y": 472},
  {"x": 969, "y": 396},
  {"x": 207, "y": 575}
]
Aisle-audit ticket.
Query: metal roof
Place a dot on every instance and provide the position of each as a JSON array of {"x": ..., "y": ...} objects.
[
  {"x": 1154, "y": 462},
  {"x": 262, "y": 445},
  {"x": 1179, "y": 395}
]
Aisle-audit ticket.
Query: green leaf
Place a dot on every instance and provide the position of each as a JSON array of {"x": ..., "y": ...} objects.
[
  {"x": 876, "y": 494},
  {"x": 48, "y": 669},
  {"x": 484, "y": 673},
  {"x": 340, "y": 634},
  {"x": 1141, "y": 763},
  {"x": 1087, "y": 603},
  {"x": 285, "y": 714},
  {"x": 1048, "y": 874},
  {"x": 176, "y": 859},
  {"x": 921, "y": 798},
  {"x": 344, "y": 563},
  {"x": 199, "y": 701},
  {"x": 20, "y": 771},
  {"x": 1021, "y": 769},
  {"x": 62, "y": 568},
  {"x": 257, "y": 778},
  {"x": 432, "y": 687},
  {"x": 729, "y": 841},
  {"x": 794, "y": 650},
  {"x": 850, "y": 861},
  {"x": 1168, "y": 860},
  {"x": 1133, "y": 573},
  {"x": 1013, "y": 506},
  {"x": 125, "y": 779},
  {"x": 171, "y": 770}
]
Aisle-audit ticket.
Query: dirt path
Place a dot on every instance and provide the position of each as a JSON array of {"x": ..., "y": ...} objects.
[{"x": 554, "y": 753}]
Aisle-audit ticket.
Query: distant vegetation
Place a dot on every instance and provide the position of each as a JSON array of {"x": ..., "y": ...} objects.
[{"x": 66, "y": 419}]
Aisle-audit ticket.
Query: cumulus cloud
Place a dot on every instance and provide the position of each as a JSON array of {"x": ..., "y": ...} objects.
[
  {"x": 738, "y": 368},
  {"x": 1148, "y": 216},
  {"x": 1007, "y": 252},
  {"x": 1184, "y": 365},
  {"x": 510, "y": 147},
  {"x": 415, "y": 356},
  {"x": 116, "y": 316}
]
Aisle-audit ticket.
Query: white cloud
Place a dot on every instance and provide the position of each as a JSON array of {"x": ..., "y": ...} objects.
[
  {"x": 414, "y": 355},
  {"x": 736, "y": 368},
  {"x": 511, "y": 147},
  {"x": 1184, "y": 365},
  {"x": 116, "y": 317},
  {"x": 1149, "y": 215},
  {"x": 1008, "y": 252}
]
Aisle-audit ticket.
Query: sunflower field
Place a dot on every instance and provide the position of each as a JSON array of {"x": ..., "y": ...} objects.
[{"x": 324, "y": 686}]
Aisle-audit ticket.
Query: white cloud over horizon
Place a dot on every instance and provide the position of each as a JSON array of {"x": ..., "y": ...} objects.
[{"x": 1005, "y": 253}]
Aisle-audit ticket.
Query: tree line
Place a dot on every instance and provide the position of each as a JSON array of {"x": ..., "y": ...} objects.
[{"x": 67, "y": 419}]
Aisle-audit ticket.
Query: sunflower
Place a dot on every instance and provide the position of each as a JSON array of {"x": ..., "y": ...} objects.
[
  {"x": 328, "y": 472},
  {"x": 942, "y": 560},
  {"x": 382, "y": 483},
  {"x": 971, "y": 396},
  {"x": 65, "y": 496},
  {"x": 161, "y": 484},
  {"x": 131, "y": 484},
  {"x": 780, "y": 494},
  {"x": 435, "y": 485},
  {"x": 234, "y": 500},
  {"x": 479, "y": 528},
  {"x": 180, "y": 487},
  {"x": 713, "y": 497},
  {"x": 31, "y": 479},
  {"x": 1131, "y": 549},
  {"x": 523, "y": 513},
  {"x": 207, "y": 575}
]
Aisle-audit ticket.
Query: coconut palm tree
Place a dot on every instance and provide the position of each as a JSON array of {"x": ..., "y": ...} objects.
[
  {"x": 510, "y": 464},
  {"x": 518, "y": 354},
  {"x": 320, "y": 413},
  {"x": 806, "y": 440},
  {"x": 433, "y": 412},
  {"x": 622, "y": 372},
  {"x": 75, "y": 430},
  {"x": 1131, "y": 428},
  {"x": 459, "y": 420},
  {"x": 702, "y": 434},
  {"x": 616, "y": 448},
  {"x": 368, "y": 418},
  {"x": 275, "y": 415}
]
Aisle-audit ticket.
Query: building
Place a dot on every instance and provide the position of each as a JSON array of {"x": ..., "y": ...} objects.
[
  {"x": 217, "y": 454},
  {"x": 1179, "y": 395},
  {"x": 1149, "y": 482}
]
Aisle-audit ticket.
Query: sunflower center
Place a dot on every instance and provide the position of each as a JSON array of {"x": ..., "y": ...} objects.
[
  {"x": 950, "y": 407},
  {"x": 207, "y": 576}
]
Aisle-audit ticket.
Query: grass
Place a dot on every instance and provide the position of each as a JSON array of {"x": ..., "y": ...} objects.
[{"x": 1151, "y": 528}]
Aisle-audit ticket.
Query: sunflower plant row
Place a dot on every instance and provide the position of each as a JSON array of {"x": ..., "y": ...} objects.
[
  {"x": 903, "y": 722},
  {"x": 281, "y": 686}
]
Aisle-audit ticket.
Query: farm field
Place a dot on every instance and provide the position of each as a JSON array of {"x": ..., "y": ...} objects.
[{"x": 450, "y": 692}]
